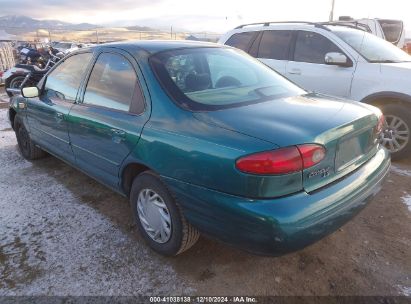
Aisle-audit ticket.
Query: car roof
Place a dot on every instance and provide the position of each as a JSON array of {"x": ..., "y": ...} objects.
[
  {"x": 344, "y": 28},
  {"x": 291, "y": 26},
  {"x": 155, "y": 46}
]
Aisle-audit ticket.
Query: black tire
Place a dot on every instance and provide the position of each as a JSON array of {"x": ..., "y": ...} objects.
[
  {"x": 183, "y": 235},
  {"x": 27, "y": 148},
  {"x": 404, "y": 113},
  {"x": 12, "y": 82}
]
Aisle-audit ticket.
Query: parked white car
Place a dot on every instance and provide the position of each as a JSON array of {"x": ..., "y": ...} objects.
[
  {"x": 67, "y": 47},
  {"x": 340, "y": 61}
]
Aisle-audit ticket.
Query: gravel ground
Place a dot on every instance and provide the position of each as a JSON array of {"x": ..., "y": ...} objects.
[
  {"x": 3, "y": 98},
  {"x": 62, "y": 233}
]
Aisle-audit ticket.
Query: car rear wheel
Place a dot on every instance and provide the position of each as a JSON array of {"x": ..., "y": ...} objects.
[
  {"x": 159, "y": 217},
  {"x": 27, "y": 148},
  {"x": 396, "y": 136}
]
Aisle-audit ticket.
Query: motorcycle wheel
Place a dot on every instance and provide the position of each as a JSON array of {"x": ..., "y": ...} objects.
[{"x": 14, "y": 82}]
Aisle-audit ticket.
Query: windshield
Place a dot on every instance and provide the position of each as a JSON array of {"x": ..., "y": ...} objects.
[
  {"x": 371, "y": 47},
  {"x": 216, "y": 78},
  {"x": 392, "y": 30},
  {"x": 62, "y": 45}
]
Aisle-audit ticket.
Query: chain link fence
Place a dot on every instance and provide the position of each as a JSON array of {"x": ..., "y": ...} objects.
[{"x": 102, "y": 35}]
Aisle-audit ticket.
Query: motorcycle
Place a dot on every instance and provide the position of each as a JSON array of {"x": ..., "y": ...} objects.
[
  {"x": 30, "y": 54},
  {"x": 25, "y": 75}
]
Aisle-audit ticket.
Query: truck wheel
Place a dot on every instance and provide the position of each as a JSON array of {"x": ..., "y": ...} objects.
[
  {"x": 396, "y": 136},
  {"x": 159, "y": 217},
  {"x": 27, "y": 148}
]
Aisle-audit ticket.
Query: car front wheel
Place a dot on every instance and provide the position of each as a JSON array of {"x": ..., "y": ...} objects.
[
  {"x": 396, "y": 136},
  {"x": 27, "y": 148},
  {"x": 159, "y": 217}
]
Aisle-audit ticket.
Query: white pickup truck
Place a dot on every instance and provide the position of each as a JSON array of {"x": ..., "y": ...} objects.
[{"x": 388, "y": 29}]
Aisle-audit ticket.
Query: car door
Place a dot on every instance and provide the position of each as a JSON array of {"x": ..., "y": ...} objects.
[
  {"x": 47, "y": 114},
  {"x": 308, "y": 69},
  {"x": 106, "y": 126},
  {"x": 274, "y": 49}
]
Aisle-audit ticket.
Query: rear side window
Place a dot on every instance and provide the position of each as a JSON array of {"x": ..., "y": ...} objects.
[
  {"x": 64, "y": 81},
  {"x": 112, "y": 83},
  {"x": 253, "y": 51},
  {"x": 241, "y": 40},
  {"x": 312, "y": 47},
  {"x": 275, "y": 45}
]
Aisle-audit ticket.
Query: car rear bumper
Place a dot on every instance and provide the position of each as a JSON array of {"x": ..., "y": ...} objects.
[{"x": 281, "y": 225}]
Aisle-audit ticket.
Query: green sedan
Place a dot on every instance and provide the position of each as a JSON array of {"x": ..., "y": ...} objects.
[{"x": 205, "y": 139}]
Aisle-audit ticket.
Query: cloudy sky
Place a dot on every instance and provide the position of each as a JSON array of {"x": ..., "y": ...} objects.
[{"x": 198, "y": 15}]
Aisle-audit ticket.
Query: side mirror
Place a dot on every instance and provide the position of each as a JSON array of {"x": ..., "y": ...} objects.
[
  {"x": 30, "y": 92},
  {"x": 334, "y": 58}
]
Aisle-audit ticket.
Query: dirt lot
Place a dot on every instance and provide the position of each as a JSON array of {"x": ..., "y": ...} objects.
[{"x": 62, "y": 233}]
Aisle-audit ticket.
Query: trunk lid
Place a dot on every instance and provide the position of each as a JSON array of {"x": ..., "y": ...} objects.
[{"x": 346, "y": 129}]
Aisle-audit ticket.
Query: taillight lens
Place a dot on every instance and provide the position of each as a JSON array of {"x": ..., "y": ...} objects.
[
  {"x": 311, "y": 154},
  {"x": 282, "y": 161},
  {"x": 381, "y": 124}
]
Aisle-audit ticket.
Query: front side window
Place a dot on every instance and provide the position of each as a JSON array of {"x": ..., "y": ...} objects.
[
  {"x": 275, "y": 45},
  {"x": 64, "y": 81},
  {"x": 112, "y": 83},
  {"x": 312, "y": 47},
  {"x": 241, "y": 40},
  {"x": 216, "y": 78},
  {"x": 372, "y": 48}
]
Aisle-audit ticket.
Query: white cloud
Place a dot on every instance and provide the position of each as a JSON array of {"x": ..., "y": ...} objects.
[{"x": 214, "y": 15}]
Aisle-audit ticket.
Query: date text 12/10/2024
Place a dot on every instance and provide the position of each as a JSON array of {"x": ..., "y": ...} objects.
[{"x": 203, "y": 299}]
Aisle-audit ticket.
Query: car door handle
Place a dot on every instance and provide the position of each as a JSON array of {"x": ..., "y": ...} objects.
[
  {"x": 117, "y": 132},
  {"x": 117, "y": 136},
  {"x": 60, "y": 116},
  {"x": 295, "y": 72}
]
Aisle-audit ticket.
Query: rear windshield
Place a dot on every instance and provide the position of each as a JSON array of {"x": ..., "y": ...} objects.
[
  {"x": 204, "y": 79},
  {"x": 392, "y": 29}
]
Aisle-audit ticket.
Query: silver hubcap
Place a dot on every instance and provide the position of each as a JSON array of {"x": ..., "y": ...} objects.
[
  {"x": 154, "y": 215},
  {"x": 396, "y": 134}
]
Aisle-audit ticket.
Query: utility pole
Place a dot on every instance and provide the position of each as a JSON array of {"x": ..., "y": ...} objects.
[{"x": 332, "y": 10}]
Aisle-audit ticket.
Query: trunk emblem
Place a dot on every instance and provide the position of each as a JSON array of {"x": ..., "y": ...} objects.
[{"x": 324, "y": 172}]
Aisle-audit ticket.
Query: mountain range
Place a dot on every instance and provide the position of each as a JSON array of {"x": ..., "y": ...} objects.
[
  {"x": 24, "y": 22},
  {"x": 27, "y": 23}
]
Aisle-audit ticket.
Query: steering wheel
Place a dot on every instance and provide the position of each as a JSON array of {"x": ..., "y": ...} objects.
[{"x": 227, "y": 81}]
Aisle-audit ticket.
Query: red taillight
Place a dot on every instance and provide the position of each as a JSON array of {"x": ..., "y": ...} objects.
[
  {"x": 311, "y": 154},
  {"x": 282, "y": 161},
  {"x": 380, "y": 125}
]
